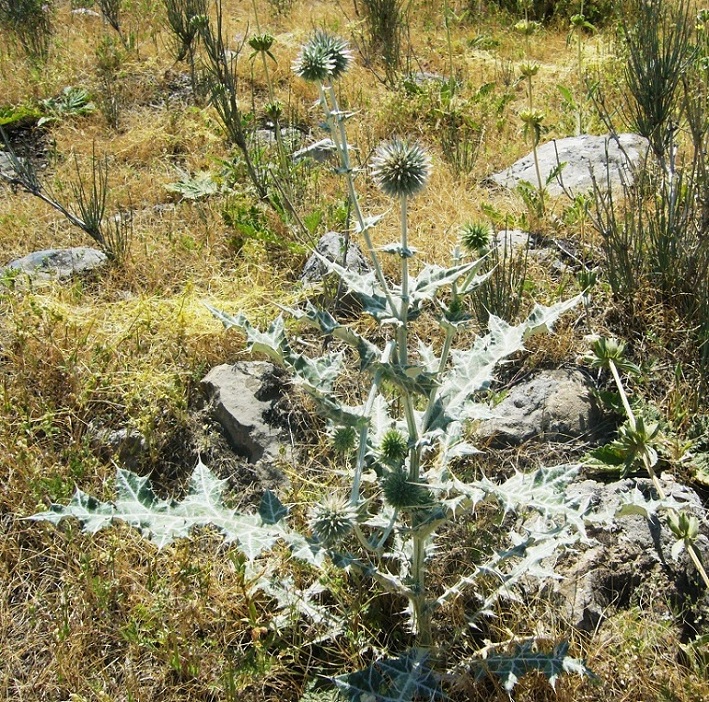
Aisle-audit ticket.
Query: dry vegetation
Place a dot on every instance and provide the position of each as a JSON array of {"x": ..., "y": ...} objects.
[{"x": 108, "y": 618}]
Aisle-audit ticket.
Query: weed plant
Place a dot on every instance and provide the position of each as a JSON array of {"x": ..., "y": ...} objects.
[
  {"x": 384, "y": 35},
  {"x": 398, "y": 448},
  {"x": 113, "y": 235},
  {"x": 181, "y": 19},
  {"x": 30, "y": 23},
  {"x": 652, "y": 233}
]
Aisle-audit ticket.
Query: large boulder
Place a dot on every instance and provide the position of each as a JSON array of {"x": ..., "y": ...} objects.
[
  {"x": 626, "y": 552},
  {"x": 555, "y": 405},
  {"x": 607, "y": 159}
]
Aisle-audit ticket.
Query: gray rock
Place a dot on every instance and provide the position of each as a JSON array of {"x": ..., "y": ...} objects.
[
  {"x": 244, "y": 398},
  {"x": 7, "y": 167},
  {"x": 128, "y": 445},
  {"x": 330, "y": 247},
  {"x": 85, "y": 12},
  {"x": 320, "y": 151},
  {"x": 58, "y": 264},
  {"x": 267, "y": 137},
  {"x": 554, "y": 405},
  {"x": 512, "y": 238},
  {"x": 610, "y": 160},
  {"x": 625, "y": 553}
]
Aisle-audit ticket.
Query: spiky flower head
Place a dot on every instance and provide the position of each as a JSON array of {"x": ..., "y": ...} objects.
[
  {"x": 393, "y": 448},
  {"x": 323, "y": 57},
  {"x": 401, "y": 493},
  {"x": 333, "y": 519},
  {"x": 344, "y": 439},
  {"x": 400, "y": 168},
  {"x": 475, "y": 236}
]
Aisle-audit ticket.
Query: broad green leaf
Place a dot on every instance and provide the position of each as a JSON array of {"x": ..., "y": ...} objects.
[{"x": 196, "y": 187}]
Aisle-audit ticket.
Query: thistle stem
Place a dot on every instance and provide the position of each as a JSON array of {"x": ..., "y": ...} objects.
[
  {"x": 364, "y": 429},
  {"x": 333, "y": 115}
]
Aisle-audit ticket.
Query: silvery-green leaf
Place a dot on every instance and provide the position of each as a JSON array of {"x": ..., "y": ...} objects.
[
  {"x": 327, "y": 324},
  {"x": 380, "y": 422},
  {"x": 317, "y": 374},
  {"x": 368, "y": 222},
  {"x": 472, "y": 284},
  {"x": 427, "y": 283},
  {"x": 366, "y": 286},
  {"x": 163, "y": 521},
  {"x": 542, "y": 319},
  {"x": 411, "y": 379},
  {"x": 397, "y": 249},
  {"x": 677, "y": 548},
  {"x": 403, "y": 679},
  {"x": 272, "y": 343},
  {"x": 429, "y": 359},
  {"x": 510, "y": 667},
  {"x": 635, "y": 502},
  {"x": 296, "y": 604},
  {"x": 472, "y": 369}
]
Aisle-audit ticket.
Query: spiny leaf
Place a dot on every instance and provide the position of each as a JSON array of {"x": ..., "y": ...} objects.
[
  {"x": 473, "y": 368},
  {"x": 163, "y": 521},
  {"x": 510, "y": 667},
  {"x": 402, "y": 679},
  {"x": 432, "y": 278},
  {"x": 327, "y": 324}
]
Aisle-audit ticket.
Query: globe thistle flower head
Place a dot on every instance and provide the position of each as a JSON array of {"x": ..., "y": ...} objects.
[
  {"x": 394, "y": 448},
  {"x": 333, "y": 519},
  {"x": 323, "y": 57},
  {"x": 475, "y": 236},
  {"x": 400, "y": 168}
]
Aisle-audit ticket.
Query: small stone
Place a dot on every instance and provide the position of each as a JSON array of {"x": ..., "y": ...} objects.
[
  {"x": 244, "y": 398},
  {"x": 331, "y": 246},
  {"x": 58, "y": 264}
]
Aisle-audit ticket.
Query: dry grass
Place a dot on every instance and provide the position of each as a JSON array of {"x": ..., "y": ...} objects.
[{"x": 107, "y": 618}]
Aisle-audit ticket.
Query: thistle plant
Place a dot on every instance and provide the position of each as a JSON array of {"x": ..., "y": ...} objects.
[{"x": 400, "y": 445}]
